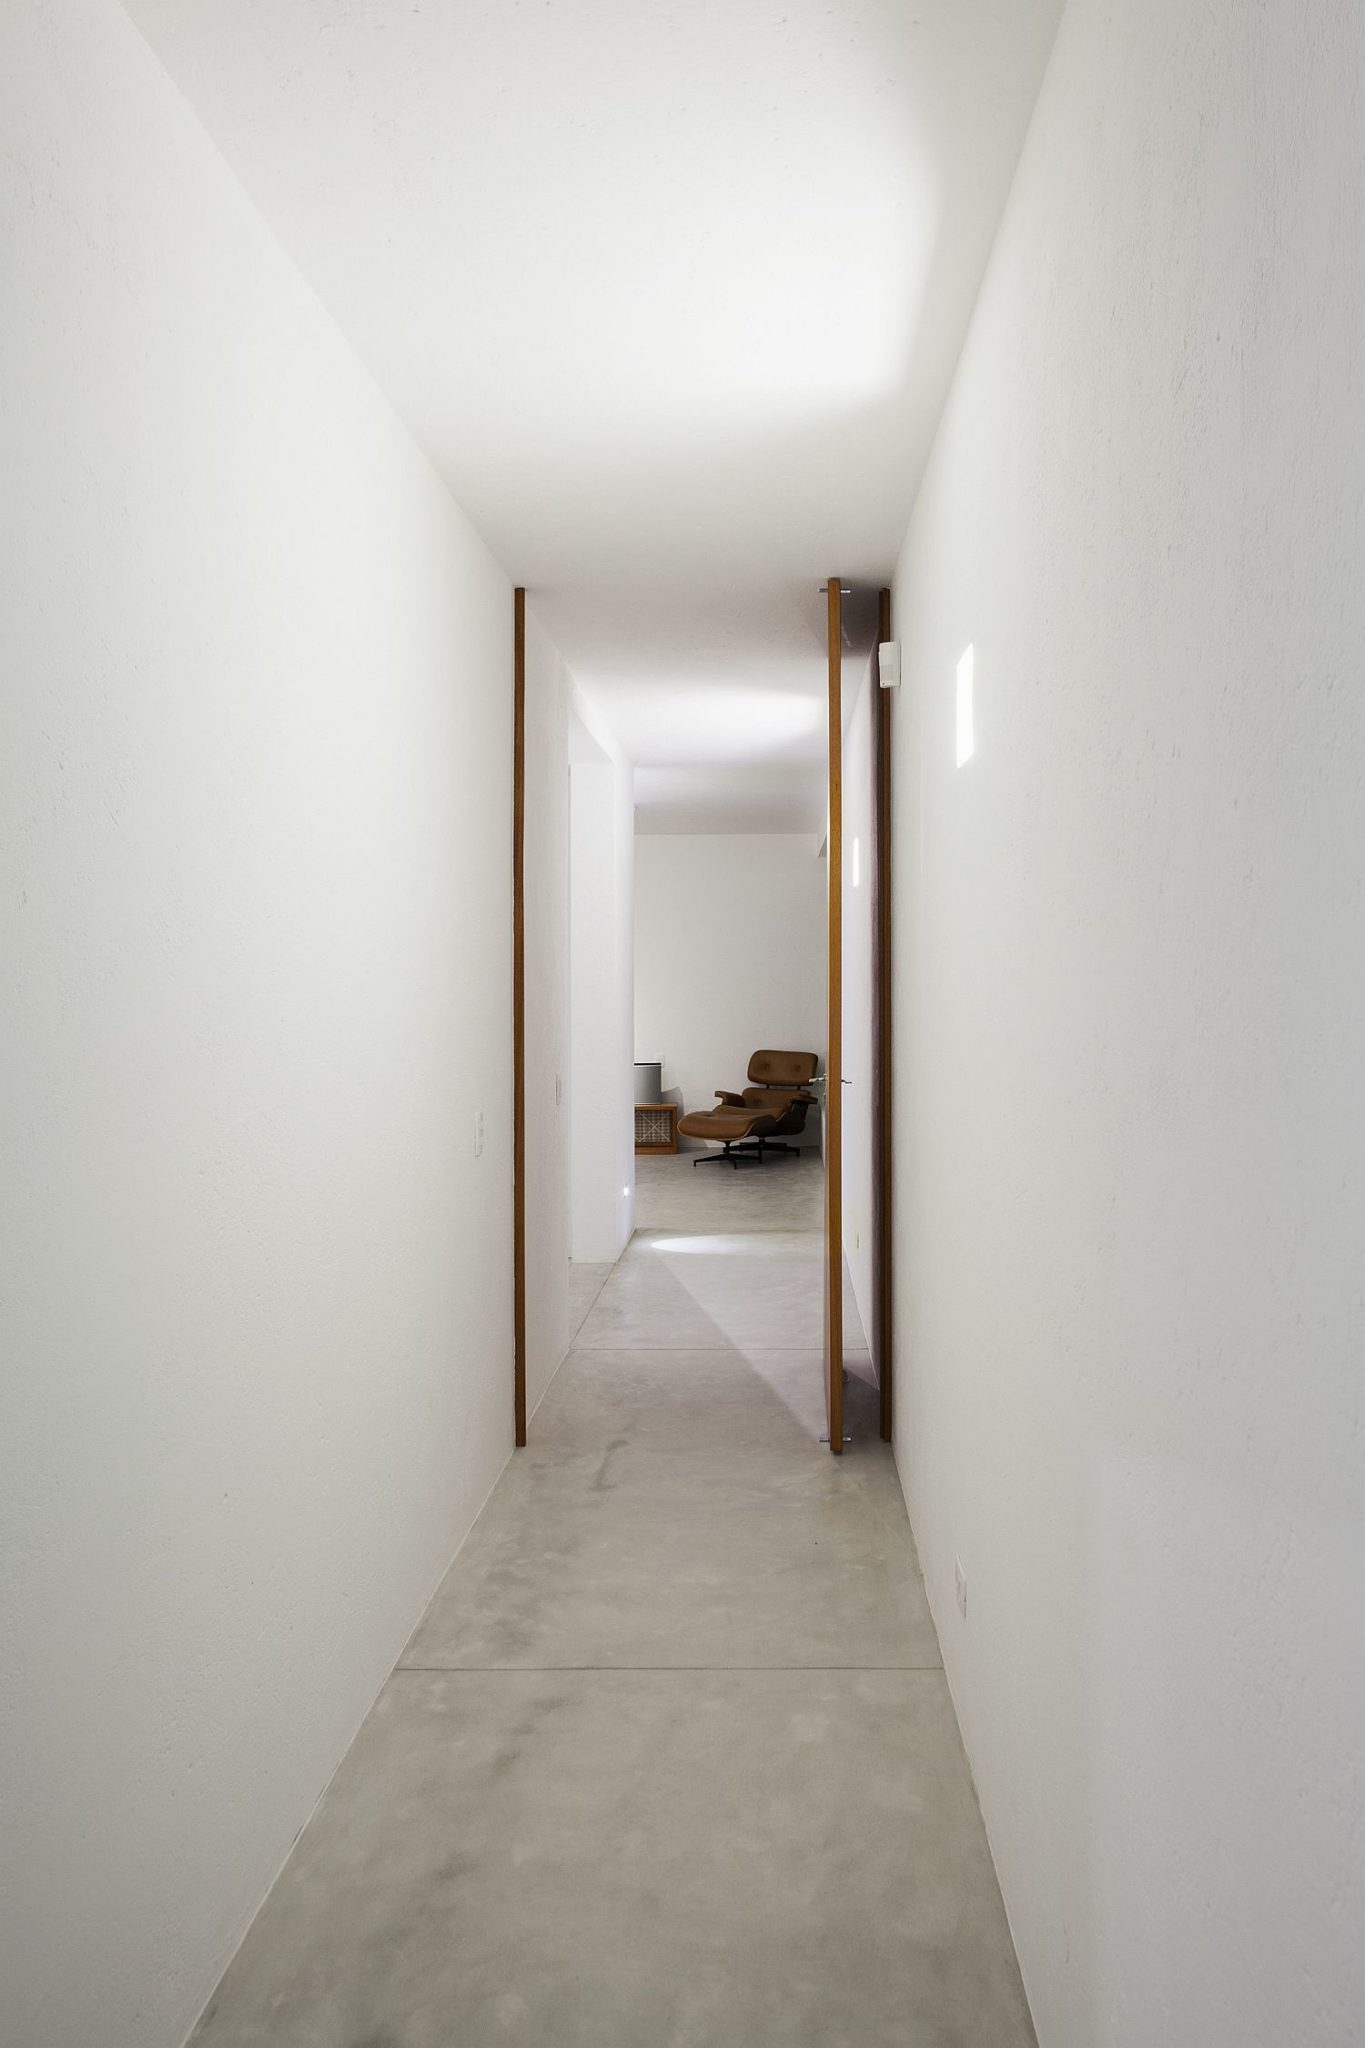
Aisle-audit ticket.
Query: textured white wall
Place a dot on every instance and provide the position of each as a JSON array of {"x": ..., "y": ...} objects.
[
  {"x": 1131, "y": 975},
  {"x": 256, "y": 958},
  {"x": 729, "y": 955}
]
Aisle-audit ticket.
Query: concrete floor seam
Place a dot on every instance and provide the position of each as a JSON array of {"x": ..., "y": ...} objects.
[{"x": 662, "y": 1670}]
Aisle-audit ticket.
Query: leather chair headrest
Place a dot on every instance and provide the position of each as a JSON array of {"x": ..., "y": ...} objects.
[{"x": 783, "y": 1069}]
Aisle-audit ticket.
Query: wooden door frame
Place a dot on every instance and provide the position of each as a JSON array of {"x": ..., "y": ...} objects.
[
  {"x": 519, "y": 1016},
  {"x": 834, "y": 1030},
  {"x": 881, "y": 1336},
  {"x": 882, "y": 1103}
]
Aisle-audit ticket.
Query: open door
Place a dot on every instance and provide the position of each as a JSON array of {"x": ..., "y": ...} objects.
[
  {"x": 519, "y": 1017},
  {"x": 881, "y": 1333},
  {"x": 834, "y": 1032}
]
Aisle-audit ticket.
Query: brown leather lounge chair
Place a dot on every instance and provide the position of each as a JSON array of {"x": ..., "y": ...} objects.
[{"x": 773, "y": 1108}]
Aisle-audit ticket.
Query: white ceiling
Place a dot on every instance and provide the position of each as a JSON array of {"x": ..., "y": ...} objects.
[
  {"x": 717, "y": 797},
  {"x": 670, "y": 289}
]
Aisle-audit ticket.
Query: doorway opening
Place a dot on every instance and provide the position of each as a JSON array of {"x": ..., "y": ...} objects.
[
  {"x": 761, "y": 991},
  {"x": 723, "y": 1067}
]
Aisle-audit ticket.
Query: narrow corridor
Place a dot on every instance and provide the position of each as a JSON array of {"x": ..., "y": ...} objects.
[{"x": 671, "y": 1758}]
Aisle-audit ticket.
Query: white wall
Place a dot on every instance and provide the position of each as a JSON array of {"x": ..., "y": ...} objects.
[
  {"x": 256, "y": 946},
  {"x": 580, "y": 1153},
  {"x": 858, "y": 1130},
  {"x": 729, "y": 955},
  {"x": 601, "y": 970},
  {"x": 1131, "y": 1157},
  {"x": 549, "y": 691}
]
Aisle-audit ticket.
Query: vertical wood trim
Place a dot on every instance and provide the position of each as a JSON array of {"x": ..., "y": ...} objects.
[
  {"x": 519, "y": 1014},
  {"x": 882, "y": 1104},
  {"x": 834, "y": 1036}
]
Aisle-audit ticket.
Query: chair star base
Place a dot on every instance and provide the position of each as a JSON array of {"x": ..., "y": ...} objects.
[{"x": 745, "y": 1148}]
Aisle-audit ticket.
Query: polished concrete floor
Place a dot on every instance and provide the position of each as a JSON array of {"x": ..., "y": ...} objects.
[{"x": 670, "y": 1762}]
